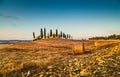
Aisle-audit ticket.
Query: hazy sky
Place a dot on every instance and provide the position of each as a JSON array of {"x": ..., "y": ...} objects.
[{"x": 80, "y": 18}]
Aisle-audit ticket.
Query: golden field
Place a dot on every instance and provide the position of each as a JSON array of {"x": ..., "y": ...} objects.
[{"x": 56, "y": 58}]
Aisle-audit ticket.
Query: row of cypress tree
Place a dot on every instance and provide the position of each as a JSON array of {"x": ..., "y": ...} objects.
[{"x": 57, "y": 34}]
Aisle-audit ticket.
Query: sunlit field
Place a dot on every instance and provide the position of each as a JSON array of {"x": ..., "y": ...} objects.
[{"x": 55, "y": 58}]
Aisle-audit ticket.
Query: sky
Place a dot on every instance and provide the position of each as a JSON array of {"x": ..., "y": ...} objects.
[{"x": 80, "y": 18}]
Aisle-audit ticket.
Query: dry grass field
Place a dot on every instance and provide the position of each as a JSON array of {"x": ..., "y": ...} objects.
[{"x": 55, "y": 58}]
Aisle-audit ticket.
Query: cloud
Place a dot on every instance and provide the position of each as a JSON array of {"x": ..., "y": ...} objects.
[{"x": 8, "y": 16}]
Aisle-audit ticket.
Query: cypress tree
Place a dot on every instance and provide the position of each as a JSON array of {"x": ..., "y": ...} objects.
[
  {"x": 41, "y": 32},
  {"x": 48, "y": 35},
  {"x": 56, "y": 32},
  {"x": 67, "y": 36},
  {"x": 44, "y": 32},
  {"x": 61, "y": 34},
  {"x": 50, "y": 32},
  {"x": 54, "y": 35},
  {"x": 64, "y": 35},
  {"x": 34, "y": 35}
]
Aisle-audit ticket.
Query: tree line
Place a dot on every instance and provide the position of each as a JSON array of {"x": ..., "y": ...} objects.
[
  {"x": 110, "y": 37},
  {"x": 44, "y": 35}
]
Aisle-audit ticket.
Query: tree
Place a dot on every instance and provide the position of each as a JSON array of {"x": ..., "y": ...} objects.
[
  {"x": 61, "y": 34},
  {"x": 48, "y": 35},
  {"x": 64, "y": 35},
  {"x": 56, "y": 32},
  {"x": 54, "y": 35},
  {"x": 38, "y": 38},
  {"x": 50, "y": 32},
  {"x": 67, "y": 36},
  {"x": 34, "y": 35},
  {"x": 44, "y": 32},
  {"x": 118, "y": 37},
  {"x": 41, "y": 32},
  {"x": 110, "y": 37}
]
